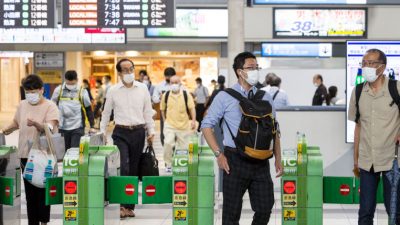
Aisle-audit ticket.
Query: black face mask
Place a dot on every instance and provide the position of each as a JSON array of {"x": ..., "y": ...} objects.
[{"x": 167, "y": 80}]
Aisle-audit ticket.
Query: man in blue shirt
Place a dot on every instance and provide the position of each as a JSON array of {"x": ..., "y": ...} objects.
[{"x": 240, "y": 174}]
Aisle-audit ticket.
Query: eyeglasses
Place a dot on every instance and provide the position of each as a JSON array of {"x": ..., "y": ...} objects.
[
  {"x": 370, "y": 63},
  {"x": 252, "y": 68},
  {"x": 130, "y": 70}
]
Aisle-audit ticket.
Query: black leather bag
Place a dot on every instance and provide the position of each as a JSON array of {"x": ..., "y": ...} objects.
[{"x": 148, "y": 163}]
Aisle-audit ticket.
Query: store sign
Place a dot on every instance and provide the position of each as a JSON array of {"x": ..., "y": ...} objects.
[
  {"x": 49, "y": 59},
  {"x": 27, "y": 13},
  {"x": 118, "y": 13},
  {"x": 195, "y": 23},
  {"x": 320, "y": 23}
]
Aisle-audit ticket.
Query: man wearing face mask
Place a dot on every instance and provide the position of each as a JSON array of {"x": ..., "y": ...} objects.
[
  {"x": 177, "y": 108},
  {"x": 75, "y": 109},
  {"x": 321, "y": 92},
  {"x": 377, "y": 130},
  {"x": 202, "y": 95},
  {"x": 240, "y": 174},
  {"x": 133, "y": 114},
  {"x": 146, "y": 80},
  {"x": 161, "y": 89}
]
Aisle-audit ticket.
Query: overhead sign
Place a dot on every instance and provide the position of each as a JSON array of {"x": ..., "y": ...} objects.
[
  {"x": 118, "y": 13},
  {"x": 27, "y": 13},
  {"x": 308, "y": 2},
  {"x": 320, "y": 23},
  {"x": 195, "y": 23},
  {"x": 49, "y": 59},
  {"x": 293, "y": 49}
]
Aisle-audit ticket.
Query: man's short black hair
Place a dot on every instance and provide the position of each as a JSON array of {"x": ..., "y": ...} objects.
[
  {"x": 71, "y": 75},
  {"x": 169, "y": 72},
  {"x": 32, "y": 82},
  {"x": 382, "y": 55},
  {"x": 199, "y": 80},
  {"x": 107, "y": 77},
  {"x": 144, "y": 72},
  {"x": 240, "y": 59},
  {"x": 221, "y": 79},
  {"x": 275, "y": 81},
  {"x": 119, "y": 69},
  {"x": 99, "y": 81}
]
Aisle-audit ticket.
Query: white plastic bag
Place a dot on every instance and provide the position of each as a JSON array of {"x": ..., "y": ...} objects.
[{"x": 41, "y": 162}]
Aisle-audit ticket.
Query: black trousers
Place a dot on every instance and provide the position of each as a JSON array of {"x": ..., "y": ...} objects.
[
  {"x": 200, "y": 109},
  {"x": 253, "y": 177},
  {"x": 130, "y": 144},
  {"x": 72, "y": 137},
  {"x": 35, "y": 202}
]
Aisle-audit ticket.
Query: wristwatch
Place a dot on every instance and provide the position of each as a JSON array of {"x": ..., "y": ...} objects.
[{"x": 217, "y": 153}]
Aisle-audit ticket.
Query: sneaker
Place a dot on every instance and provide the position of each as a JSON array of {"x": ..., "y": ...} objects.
[{"x": 168, "y": 169}]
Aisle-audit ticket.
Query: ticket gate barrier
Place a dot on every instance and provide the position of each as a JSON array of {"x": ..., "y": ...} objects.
[
  {"x": 10, "y": 185},
  {"x": 302, "y": 197}
]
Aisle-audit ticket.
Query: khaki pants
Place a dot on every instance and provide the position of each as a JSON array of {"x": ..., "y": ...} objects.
[{"x": 174, "y": 138}]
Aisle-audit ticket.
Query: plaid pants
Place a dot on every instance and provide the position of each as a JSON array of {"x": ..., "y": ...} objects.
[{"x": 245, "y": 175}]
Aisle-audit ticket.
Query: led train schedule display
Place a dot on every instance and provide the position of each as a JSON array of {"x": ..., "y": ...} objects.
[
  {"x": 118, "y": 13},
  {"x": 27, "y": 13}
]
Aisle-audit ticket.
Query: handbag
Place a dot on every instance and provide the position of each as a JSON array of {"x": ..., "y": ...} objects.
[
  {"x": 58, "y": 144},
  {"x": 148, "y": 165},
  {"x": 42, "y": 161}
]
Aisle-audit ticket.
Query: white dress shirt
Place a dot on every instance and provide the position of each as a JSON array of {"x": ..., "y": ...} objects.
[
  {"x": 159, "y": 90},
  {"x": 132, "y": 106}
]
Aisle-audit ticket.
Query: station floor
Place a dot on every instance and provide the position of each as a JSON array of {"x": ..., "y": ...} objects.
[{"x": 333, "y": 214}]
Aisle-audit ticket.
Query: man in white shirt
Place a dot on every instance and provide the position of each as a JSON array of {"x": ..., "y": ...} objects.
[
  {"x": 202, "y": 95},
  {"x": 133, "y": 114},
  {"x": 161, "y": 89},
  {"x": 279, "y": 96}
]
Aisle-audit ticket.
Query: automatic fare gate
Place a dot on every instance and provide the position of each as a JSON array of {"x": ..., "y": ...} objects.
[{"x": 90, "y": 183}]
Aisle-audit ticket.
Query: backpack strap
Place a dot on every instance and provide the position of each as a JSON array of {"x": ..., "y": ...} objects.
[
  {"x": 185, "y": 96},
  {"x": 359, "y": 88},
  {"x": 235, "y": 94},
  {"x": 394, "y": 93},
  {"x": 166, "y": 103},
  {"x": 276, "y": 93}
]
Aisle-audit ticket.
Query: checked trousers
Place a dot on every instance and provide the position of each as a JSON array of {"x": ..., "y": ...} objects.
[{"x": 253, "y": 177}]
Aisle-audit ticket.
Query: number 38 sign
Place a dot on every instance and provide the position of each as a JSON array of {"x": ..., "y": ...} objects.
[{"x": 322, "y": 22}]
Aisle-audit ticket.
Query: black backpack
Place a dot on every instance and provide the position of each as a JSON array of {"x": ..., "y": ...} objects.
[
  {"x": 257, "y": 130},
  {"x": 185, "y": 96},
  {"x": 394, "y": 93}
]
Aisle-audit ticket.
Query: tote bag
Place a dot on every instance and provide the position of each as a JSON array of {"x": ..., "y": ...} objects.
[
  {"x": 148, "y": 163},
  {"x": 42, "y": 161}
]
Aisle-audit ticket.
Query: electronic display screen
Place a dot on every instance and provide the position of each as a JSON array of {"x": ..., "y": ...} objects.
[
  {"x": 195, "y": 23},
  {"x": 320, "y": 23},
  {"x": 355, "y": 53},
  {"x": 27, "y": 13},
  {"x": 118, "y": 13},
  {"x": 278, "y": 49}
]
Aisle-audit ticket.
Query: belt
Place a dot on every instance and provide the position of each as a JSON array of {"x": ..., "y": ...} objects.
[
  {"x": 134, "y": 127},
  {"x": 230, "y": 149}
]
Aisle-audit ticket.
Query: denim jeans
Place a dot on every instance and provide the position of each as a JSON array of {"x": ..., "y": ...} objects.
[{"x": 369, "y": 181}]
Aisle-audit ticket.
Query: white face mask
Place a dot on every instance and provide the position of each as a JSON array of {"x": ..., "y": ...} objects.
[
  {"x": 316, "y": 84},
  {"x": 71, "y": 86},
  {"x": 252, "y": 77},
  {"x": 32, "y": 98},
  {"x": 369, "y": 74},
  {"x": 146, "y": 82},
  {"x": 129, "y": 78},
  {"x": 175, "y": 87}
]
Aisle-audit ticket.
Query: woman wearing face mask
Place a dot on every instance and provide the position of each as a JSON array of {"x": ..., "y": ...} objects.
[
  {"x": 147, "y": 82},
  {"x": 32, "y": 114}
]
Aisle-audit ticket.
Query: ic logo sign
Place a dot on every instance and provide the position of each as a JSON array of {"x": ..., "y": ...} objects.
[
  {"x": 70, "y": 162},
  {"x": 289, "y": 162},
  {"x": 180, "y": 162}
]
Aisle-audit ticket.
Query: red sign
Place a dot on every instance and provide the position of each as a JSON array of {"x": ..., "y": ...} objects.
[
  {"x": 7, "y": 191},
  {"x": 289, "y": 187},
  {"x": 150, "y": 190},
  {"x": 344, "y": 189},
  {"x": 53, "y": 191},
  {"x": 129, "y": 189},
  {"x": 180, "y": 187},
  {"x": 70, "y": 187}
]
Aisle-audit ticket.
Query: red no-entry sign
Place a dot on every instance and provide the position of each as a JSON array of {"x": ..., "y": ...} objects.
[
  {"x": 53, "y": 191},
  {"x": 7, "y": 190},
  {"x": 150, "y": 190},
  {"x": 289, "y": 187},
  {"x": 344, "y": 189},
  {"x": 70, "y": 187},
  {"x": 129, "y": 189},
  {"x": 180, "y": 187}
]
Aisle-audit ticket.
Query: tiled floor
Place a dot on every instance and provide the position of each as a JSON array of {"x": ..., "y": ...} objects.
[{"x": 162, "y": 214}]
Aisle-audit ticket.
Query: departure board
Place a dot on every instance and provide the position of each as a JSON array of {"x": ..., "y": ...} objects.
[
  {"x": 27, "y": 13},
  {"x": 118, "y": 13}
]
